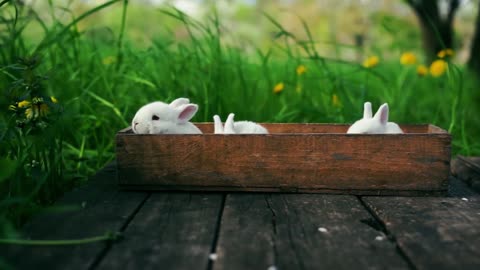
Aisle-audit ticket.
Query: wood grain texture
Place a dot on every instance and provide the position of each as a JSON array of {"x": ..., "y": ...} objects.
[
  {"x": 282, "y": 230},
  {"x": 434, "y": 233},
  {"x": 172, "y": 231},
  {"x": 287, "y": 162},
  {"x": 96, "y": 209}
]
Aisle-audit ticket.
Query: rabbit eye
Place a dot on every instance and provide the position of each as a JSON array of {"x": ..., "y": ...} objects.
[{"x": 154, "y": 117}]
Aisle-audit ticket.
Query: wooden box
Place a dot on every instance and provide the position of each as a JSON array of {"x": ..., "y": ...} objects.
[{"x": 292, "y": 158}]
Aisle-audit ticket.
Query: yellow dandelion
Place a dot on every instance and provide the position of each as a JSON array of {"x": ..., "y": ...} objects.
[
  {"x": 24, "y": 104},
  {"x": 408, "y": 58},
  {"x": 444, "y": 53},
  {"x": 278, "y": 88},
  {"x": 53, "y": 99},
  {"x": 109, "y": 60},
  {"x": 36, "y": 110},
  {"x": 371, "y": 62},
  {"x": 438, "y": 67},
  {"x": 301, "y": 69},
  {"x": 336, "y": 101},
  {"x": 422, "y": 70},
  {"x": 29, "y": 113}
]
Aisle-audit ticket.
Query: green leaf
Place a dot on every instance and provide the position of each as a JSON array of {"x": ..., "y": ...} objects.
[{"x": 141, "y": 81}]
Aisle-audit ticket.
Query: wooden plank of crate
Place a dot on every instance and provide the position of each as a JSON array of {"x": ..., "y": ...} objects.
[
  {"x": 307, "y": 162},
  {"x": 434, "y": 232},
  {"x": 95, "y": 209},
  {"x": 171, "y": 231},
  {"x": 259, "y": 231}
]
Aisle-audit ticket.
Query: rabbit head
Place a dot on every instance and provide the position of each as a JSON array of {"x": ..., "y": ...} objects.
[
  {"x": 162, "y": 118},
  {"x": 369, "y": 124}
]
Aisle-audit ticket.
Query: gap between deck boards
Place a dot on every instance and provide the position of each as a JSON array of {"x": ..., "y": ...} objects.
[
  {"x": 217, "y": 232},
  {"x": 390, "y": 236},
  {"x": 109, "y": 245}
]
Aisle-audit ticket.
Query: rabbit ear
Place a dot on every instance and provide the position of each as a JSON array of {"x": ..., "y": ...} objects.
[
  {"x": 186, "y": 112},
  {"x": 228, "y": 129},
  {"x": 382, "y": 114},
  {"x": 178, "y": 102},
  {"x": 218, "y": 127},
  {"x": 367, "y": 110}
]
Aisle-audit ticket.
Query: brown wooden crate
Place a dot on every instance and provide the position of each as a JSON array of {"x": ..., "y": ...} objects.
[{"x": 292, "y": 158}]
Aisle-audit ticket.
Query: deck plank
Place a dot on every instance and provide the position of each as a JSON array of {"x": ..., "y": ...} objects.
[
  {"x": 95, "y": 208},
  {"x": 259, "y": 231},
  {"x": 467, "y": 169},
  {"x": 172, "y": 231},
  {"x": 434, "y": 232}
]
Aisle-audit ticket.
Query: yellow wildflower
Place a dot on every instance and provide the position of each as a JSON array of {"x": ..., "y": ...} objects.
[
  {"x": 438, "y": 67},
  {"x": 278, "y": 88},
  {"x": 53, "y": 99},
  {"x": 29, "y": 113},
  {"x": 336, "y": 101},
  {"x": 445, "y": 52},
  {"x": 408, "y": 58},
  {"x": 422, "y": 70},
  {"x": 109, "y": 60},
  {"x": 371, "y": 61},
  {"x": 24, "y": 103},
  {"x": 37, "y": 110},
  {"x": 301, "y": 69}
]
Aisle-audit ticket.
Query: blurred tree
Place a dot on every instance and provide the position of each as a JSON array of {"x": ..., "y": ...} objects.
[
  {"x": 474, "y": 61},
  {"x": 436, "y": 21}
]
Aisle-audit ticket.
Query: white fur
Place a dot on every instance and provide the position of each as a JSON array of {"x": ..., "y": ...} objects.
[
  {"x": 178, "y": 102},
  {"x": 173, "y": 118},
  {"x": 241, "y": 127},
  {"x": 377, "y": 124},
  {"x": 393, "y": 128}
]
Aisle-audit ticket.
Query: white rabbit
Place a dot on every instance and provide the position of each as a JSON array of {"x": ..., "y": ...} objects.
[
  {"x": 241, "y": 127},
  {"x": 162, "y": 118},
  {"x": 376, "y": 124}
]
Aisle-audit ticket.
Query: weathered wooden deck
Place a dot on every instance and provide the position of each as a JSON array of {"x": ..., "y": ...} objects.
[{"x": 179, "y": 230}]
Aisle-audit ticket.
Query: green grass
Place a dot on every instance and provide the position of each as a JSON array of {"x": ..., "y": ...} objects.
[{"x": 100, "y": 84}]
